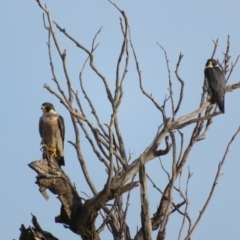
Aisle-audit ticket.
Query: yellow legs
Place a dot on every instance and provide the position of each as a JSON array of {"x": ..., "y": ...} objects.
[{"x": 53, "y": 150}]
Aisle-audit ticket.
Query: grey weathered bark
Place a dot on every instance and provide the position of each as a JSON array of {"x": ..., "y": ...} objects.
[
  {"x": 35, "y": 232},
  {"x": 145, "y": 215}
]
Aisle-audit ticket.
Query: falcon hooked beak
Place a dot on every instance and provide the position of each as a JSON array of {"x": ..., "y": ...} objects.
[{"x": 47, "y": 107}]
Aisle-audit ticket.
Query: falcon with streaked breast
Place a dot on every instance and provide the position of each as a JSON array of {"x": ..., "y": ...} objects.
[
  {"x": 52, "y": 132},
  {"x": 216, "y": 83}
]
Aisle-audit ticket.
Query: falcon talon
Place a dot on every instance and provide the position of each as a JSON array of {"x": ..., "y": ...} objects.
[
  {"x": 49, "y": 148},
  {"x": 211, "y": 100},
  {"x": 54, "y": 153}
]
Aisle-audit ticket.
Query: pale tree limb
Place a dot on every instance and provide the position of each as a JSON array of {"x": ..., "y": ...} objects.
[
  {"x": 61, "y": 54},
  {"x": 169, "y": 80},
  {"x": 81, "y": 159},
  {"x": 195, "y": 120},
  {"x": 94, "y": 112},
  {"x": 91, "y": 60},
  {"x": 107, "y": 217},
  {"x": 149, "y": 96},
  {"x": 117, "y": 102},
  {"x": 232, "y": 87},
  {"x": 119, "y": 82},
  {"x": 167, "y": 173},
  {"x": 215, "y": 48},
  {"x": 181, "y": 146},
  {"x": 175, "y": 206},
  {"x": 168, "y": 194},
  {"x": 181, "y": 82},
  {"x": 232, "y": 68},
  {"x": 52, "y": 66},
  {"x": 154, "y": 185},
  {"x": 124, "y": 227},
  {"x": 105, "y": 135},
  {"x": 227, "y": 58},
  {"x": 145, "y": 215},
  {"x": 185, "y": 214}
]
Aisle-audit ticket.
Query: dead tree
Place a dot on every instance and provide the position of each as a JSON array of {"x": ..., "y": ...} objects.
[{"x": 108, "y": 145}]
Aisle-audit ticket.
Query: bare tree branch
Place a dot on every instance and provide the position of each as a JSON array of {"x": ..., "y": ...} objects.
[
  {"x": 215, "y": 47},
  {"x": 185, "y": 216},
  {"x": 145, "y": 216},
  {"x": 140, "y": 82},
  {"x": 166, "y": 211},
  {"x": 218, "y": 174},
  {"x": 181, "y": 82},
  {"x": 169, "y": 80}
]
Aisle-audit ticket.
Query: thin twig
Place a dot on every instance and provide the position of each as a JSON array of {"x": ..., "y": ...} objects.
[
  {"x": 186, "y": 208},
  {"x": 215, "y": 47},
  {"x": 169, "y": 79},
  {"x": 168, "y": 175},
  {"x": 140, "y": 82},
  {"x": 232, "y": 67},
  {"x": 218, "y": 174},
  {"x": 181, "y": 82}
]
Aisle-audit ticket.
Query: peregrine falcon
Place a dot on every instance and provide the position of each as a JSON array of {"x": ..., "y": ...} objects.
[
  {"x": 52, "y": 132},
  {"x": 216, "y": 82}
]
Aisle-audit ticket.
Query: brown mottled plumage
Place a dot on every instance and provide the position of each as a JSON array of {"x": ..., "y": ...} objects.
[{"x": 52, "y": 132}]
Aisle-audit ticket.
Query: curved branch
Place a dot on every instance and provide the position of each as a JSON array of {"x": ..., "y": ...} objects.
[
  {"x": 149, "y": 96},
  {"x": 160, "y": 152},
  {"x": 169, "y": 79},
  {"x": 181, "y": 82},
  {"x": 91, "y": 61},
  {"x": 215, "y": 47}
]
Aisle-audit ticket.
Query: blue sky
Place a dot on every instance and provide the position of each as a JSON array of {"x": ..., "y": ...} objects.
[{"x": 179, "y": 26}]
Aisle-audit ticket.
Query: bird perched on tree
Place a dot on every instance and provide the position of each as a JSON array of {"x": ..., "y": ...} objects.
[
  {"x": 216, "y": 83},
  {"x": 52, "y": 132}
]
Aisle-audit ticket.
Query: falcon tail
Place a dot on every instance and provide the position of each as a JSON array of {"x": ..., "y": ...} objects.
[
  {"x": 61, "y": 161},
  {"x": 220, "y": 103}
]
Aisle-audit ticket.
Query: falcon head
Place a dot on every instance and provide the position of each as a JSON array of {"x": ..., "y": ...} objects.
[
  {"x": 47, "y": 107},
  {"x": 211, "y": 63}
]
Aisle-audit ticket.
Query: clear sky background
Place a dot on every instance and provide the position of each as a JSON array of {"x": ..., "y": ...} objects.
[{"x": 180, "y": 26}]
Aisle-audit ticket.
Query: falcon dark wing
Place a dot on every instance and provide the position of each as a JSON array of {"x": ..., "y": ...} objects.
[
  {"x": 40, "y": 126},
  {"x": 216, "y": 82},
  {"x": 61, "y": 127}
]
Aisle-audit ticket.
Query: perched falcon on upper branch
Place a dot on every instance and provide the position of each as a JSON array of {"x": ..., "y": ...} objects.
[
  {"x": 216, "y": 83},
  {"x": 52, "y": 132}
]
